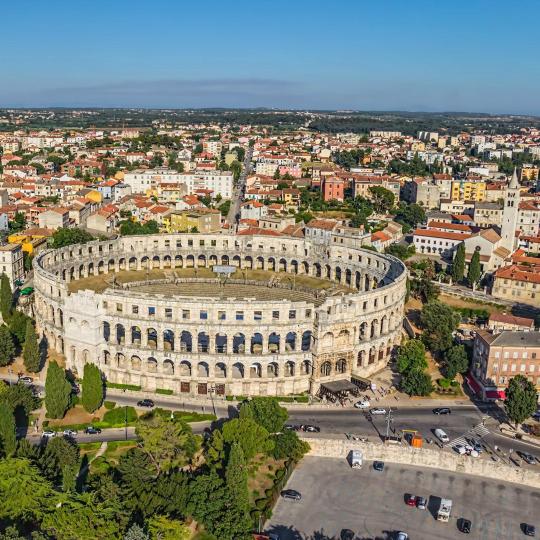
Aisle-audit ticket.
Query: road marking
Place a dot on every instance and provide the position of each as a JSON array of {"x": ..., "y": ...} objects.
[{"x": 476, "y": 432}]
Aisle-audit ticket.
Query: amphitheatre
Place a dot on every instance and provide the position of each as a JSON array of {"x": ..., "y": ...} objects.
[{"x": 235, "y": 315}]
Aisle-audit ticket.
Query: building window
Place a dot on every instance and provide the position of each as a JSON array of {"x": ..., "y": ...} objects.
[
  {"x": 221, "y": 315},
  {"x": 151, "y": 310},
  {"x": 203, "y": 315},
  {"x": 275, "y": 315},
  {"x": 119, "y": 308},
  {"x": 257, "y": 315},
  {"x": 292, "y": 314},
  {"x": 168, "y": 313},
  {"x": 239, "y": 315},
  {"x": 135, "y": 310},
  {"x": 308, "y": 313}
]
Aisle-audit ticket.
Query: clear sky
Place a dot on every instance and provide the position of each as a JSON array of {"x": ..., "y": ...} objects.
[{"x": 417, "y": 55}]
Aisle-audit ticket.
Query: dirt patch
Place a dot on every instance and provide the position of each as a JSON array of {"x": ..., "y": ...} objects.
[
  {"x": 77, "y": 415},
  {"x": 262, "y": 473},
  {"x": 456, "y": 302}
]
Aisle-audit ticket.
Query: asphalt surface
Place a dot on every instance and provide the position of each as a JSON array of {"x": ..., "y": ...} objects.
[
  {"x": 372, "y": 504},
  {"x": 238, "y": 195}
]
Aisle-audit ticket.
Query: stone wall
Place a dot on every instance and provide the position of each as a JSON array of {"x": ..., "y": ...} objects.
[{"x": 425, "y": 457}]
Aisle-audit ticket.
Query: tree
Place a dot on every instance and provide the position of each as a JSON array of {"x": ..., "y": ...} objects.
[
  {"x": 417, "y": 383},
  {"x": 92, "y": 388},
  {"x": 236, "y": 476},
  {"x": 458, "y": 266},
  {"x": 17, "y": 325},
  {"x": 455, "y": 361},
  {"x": 164, "y": 528},
  {"x": 410, "y": 214},
  {"x": 475, "y": 272},
  {"x": 65, "y": 237},
  {"x": 215, "y": 450},
  {"x": 521, "y": 399},
  {"x": 59, "y": 463},
  {"x": 252, "y": 437},
  {"x": 6, "y": 297},
  {"x": 164, "y": 442},
  {"x": 7, "y": 348},
  {"x": 57, "y": 391},
  {"x": 287, "y": 445},
  {"x": 412, "y": 357},
  {"x": 266, "y": 411},
  {"x": 135, "y": 532},
  {"x": 136, "y": 478},
  {"x": 424, "y": 289},
  {"x": 31, "y": 354},
  {"x": 382, "y": 199},
  {"x": 438, "y": 321},
  {"x": 8, "y": 439},
  {"x": 25, "y": 494}
]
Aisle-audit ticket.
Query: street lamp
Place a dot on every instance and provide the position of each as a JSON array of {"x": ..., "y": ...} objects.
[
  {"x": 212, "y": 390},
  {"x": 125, "y": 420}
]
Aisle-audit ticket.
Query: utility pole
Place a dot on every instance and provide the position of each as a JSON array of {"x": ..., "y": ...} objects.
[{"x": 388, "y": 420}]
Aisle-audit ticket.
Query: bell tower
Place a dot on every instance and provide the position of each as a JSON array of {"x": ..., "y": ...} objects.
[{"x": 510, "y": 213}]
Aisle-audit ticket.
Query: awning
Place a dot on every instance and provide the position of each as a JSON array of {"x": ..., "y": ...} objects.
[
  {"x": 473, "y": 385},
  {"x": 339, "y": 386},
  {"x": 495, "y": 394}
]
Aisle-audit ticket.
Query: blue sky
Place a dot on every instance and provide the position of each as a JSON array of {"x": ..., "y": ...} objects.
[{"x": 418, "y": 55}]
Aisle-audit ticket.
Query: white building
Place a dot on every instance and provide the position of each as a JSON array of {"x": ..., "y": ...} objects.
[{"x": 11, "y": 263}]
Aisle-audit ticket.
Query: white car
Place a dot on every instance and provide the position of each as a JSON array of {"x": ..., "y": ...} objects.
[
  {"x": 378, "y": 410},
  {"x": 69, "y": 433},
  {"x": 460, "y": 449},
  {"x": 48, "y": 434},
  {"x": 402, "y": 536},
  {"x": 362, "y": 404}
]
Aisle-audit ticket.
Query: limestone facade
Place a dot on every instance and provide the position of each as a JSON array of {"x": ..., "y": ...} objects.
[{"x": 249, "y": 345}]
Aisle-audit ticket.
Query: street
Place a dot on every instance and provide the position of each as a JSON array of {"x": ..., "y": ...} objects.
[
  {"x": 239, "y": 190},
  {"x": 336, "y": 497}
]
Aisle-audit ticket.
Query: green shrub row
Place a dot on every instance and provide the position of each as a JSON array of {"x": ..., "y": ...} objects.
[
  {"x": 109, "y": 404},
  {"x": 283, "y": 399},
  {"x": 132, "y": 387},
  {"x": 164, "y": 391}
]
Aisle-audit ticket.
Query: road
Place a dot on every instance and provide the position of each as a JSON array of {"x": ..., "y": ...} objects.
[
  {"x": 372, "y": 504},
  {"x": 239, "y": 190}
]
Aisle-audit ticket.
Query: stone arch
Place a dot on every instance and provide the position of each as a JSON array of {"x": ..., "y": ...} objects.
[
  {"x": 239, "y": 343},
  {"x": 238, "y": 371},
  {"x": 168, "y": 340},
  {"x": 271, "y": 264},
  {"x": 122, "y": 263},
  {"x": 326, "y": 369},
  {"x": 225, "y": 259},
  {"x": 178, "y": 261},
  {"x": 151, "y": 365},
  {"x": 374, "y": 328},
  {"x": 256, "y": 343},
  {"x": 282, "y": 267},
  {"x": 255, "y": 370},
  {"x": 361, "y": 359},
  {"x": 337, "y": 273},
  {"x": 364, "y": 331},
  {"x": 236, "y": 261},
  {"x": 318, "y": 270},
  {"x": 201, "y": 261},
  {"x": 294, "y": 266},
  {"x": 203, "y": 342},
  {"x": 328, "y": 271},
  {"x": 168, "y": 367},
  {"x": 306, "y": 367},
  {"x": 106, "y": 356},
  {"x": 186, "y": 343},
  {"x": 220, "y": 370},
  {"x": 202, "y": 369},
  {"x": 348, "y": 277},
  {"x": 306, "y": 340},
  {"x": 185, "y": 368},
  {"x": 372, "y": 356},
  {"x": 343, "y": 338},
  {"x": 152, "y": 338},
  {"x": 106, "y": 331},
  {"x": 111, "y": 265},
  {"x": 290, "y": 368},
  {"x": 327, "y": 340},
  {"x": 132, "y": 263},
  {"x": 272, "y": 370},
  {"x": 120, "y": 334},
  {"x": 167, "y": 262},
  {"x": 290, "y": 342},
  {"x": 259, "y": 263},
  {"x": 145, "y": 263},
  {"x": 135, "y": 363},
  {"x": 304, "y": 267},
  {"x": 274, "y": 343},
  {"x": 136, "y": 335},
  {"x": 221, "y": 343},
  {"x": 120, "y": 360},
  {"x": 341, "y": 366},
  {"x": 248, "y": 262}
]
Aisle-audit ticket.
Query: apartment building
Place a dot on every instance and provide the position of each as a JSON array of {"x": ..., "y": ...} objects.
[
  {"x": 519, "y": 283},
  {"x": 468, "y": 190},
  {"x": 203, "y": 221},
  {"x": 11, "y": 263}
]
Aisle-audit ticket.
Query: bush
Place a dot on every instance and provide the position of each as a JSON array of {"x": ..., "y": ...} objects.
[
  {"x": 109, "y": 405},
  {"x": 164, "y": 391},
  {"x": 261, "y": 503},
  {"x": 444, "y": 383},
  {"x": 118, "y": 416},
  {"x": 280, "y": 473},
  {"x": 75, "y": 400},
  {"x": 132, "y": 387}
]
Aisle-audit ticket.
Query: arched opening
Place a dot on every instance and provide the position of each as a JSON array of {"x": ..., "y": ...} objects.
[
  {"x": 272, "y": 370},
  {"x": 120, "y": 334},
  {"x": 120, "y": 360},
  {"x": 348, "y": 277},
  {"x": 186, "y": 344},
  {"x": 338, "y": 274},
  {"x": 272, "y": 264},
  {"x": 255, "y": 370},
  {"x": 201, "y": 261},
  {"x": 185, "y": 369},
  {"x": 289, "y": 368},
  {"x": 190, "y": 261},
  {"x": 328, "y": 340},
  {"x": 202, "y": 369},
  {"x": 326, "y": 369},
  {"x": 239, "y": 343},
  {"x": 168, "y": 367},
  {"x": 106, "y": 356},
  {"x": 361, "y": 359},
  {"x": 305, "y": 367},
  {"x": 220, "y": 370},
  {"x": 248, "y": 262},
  {"x": 343, "y": 338},
  {"x": 306, "y": 340},
  {"x": 132, "y": 263},
  {"x": 135, "y": 363},
  {"x": 151, "y": 365},
  {"x": 151, "y": 334},
  {"x": 136, "y": 335},
  {"x": 364, "y": 331},
  {"x": 203, "y": 342},
  {"x": 374, "y": 327},
  {"x": 290, "y": 342},
  {"x": 106, "y": 331},
  {"x": 168, "y": 340},
  {"x": 238, "y": 371},
  {"x": 273, "y": 343},
  {"x": 256, "y": 343},
  {"x": 221, "y": 343},
  {"x": 282, "y": 265},
  {"x": 341, "y": 366}
]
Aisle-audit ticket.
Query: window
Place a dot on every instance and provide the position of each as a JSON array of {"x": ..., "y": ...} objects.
[
  {"x": 514, "y": 367},
  {"x": 308, "y": 313},
  {"x": 119, "y": 308},
  {"x": 151, "y": 310},
  {"x": 257, "y": 315},
  {"x": 239, "y": 315},
  {"x": 168, "y": 313},
  {"x": 221, "y": 315},
  {"x": 292, "y": 314},
  {"x": 498, "y": 354},
  {"x": 275, "y": 315},
  {"x": 522, "y": 367},
  {"x": 135, "y": 310},
  {"x": 203, "y": 315},
  {"x": 190, "y": 243},
  {"x": 185, "y": 314},
  {"x": 514, "y": 354}
]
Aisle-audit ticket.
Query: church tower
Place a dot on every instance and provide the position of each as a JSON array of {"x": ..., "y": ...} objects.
[{"x": 510, "y": 213}]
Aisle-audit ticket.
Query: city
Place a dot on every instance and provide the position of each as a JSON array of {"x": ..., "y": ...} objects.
[{"x": 253, "y": 305}]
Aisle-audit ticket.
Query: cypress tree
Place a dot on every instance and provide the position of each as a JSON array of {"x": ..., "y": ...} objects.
[
  {"x": 31, "y": 349},
  {"x": 6, "y": 297},
  {"x": 57, "y": 391},
  {"x": 8, "y": 440},
  {"x": 92, "y": 388},
  {"x": 474, "y": 269},
  {"x": 236, "y": 476},
  {"x": 7, "y": 348},
  {"x": 458, "y": 267}
]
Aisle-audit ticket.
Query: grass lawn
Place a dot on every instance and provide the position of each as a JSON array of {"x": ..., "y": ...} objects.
[
  {"x": 115, "y": 449},
  {"x": 262, "y": 471},
  {"x": 457, "y": 302},
  {"x": 89, "y": 449}
]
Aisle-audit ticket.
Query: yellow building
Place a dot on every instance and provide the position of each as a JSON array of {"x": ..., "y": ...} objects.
[
  {"x": 204, "y": 221},
  {"x": 529, "y": 173},
  {"x": 31, "y": 240},
  {"x": 468, "y": 190},
  {"x": 418, "y": 146},
  {"x": 93, "y": 194}
]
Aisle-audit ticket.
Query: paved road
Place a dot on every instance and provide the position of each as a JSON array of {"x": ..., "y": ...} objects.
[
  {"x": 239, "y": 190},
  {"x": 372, "y": 504}
]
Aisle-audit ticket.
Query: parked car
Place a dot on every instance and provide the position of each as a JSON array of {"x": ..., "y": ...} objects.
[
  {"x": 311, "y": 429},
  {"x": 442, "y": 410},
  {"x": 529, "y": 530},
  {"x": 378, "y": 466},
  {"x": 528, "y": 458},
  {"x": 69, "y": 433},
  {"x": 378, "y": 410},
  {"x": 145, "y": 403},
  {"x": 48, "y": 434},
  {"x": 291, "y": 427},
  {"x": 460, "y": 449},
  {"x": 26, "y": 379},
  {"x": 402, "y": 536},
  {"x": 464, "y": 525},
  {"x": 362, "y": 404},
  {"x": 411, "y": 500},
  {"x": 421, "y": 503},
  {"x": 441, "y": 435},
  {"x": 291, "y": 494},
  {"x": 91, "y": 430}
]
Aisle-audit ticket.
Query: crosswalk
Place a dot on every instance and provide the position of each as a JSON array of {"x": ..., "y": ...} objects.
[{"x": 477, "y": 432}]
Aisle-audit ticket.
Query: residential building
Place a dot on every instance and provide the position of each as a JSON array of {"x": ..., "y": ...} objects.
[
  {"x": 487, "y": 214},
  {"x": 204, "y": 221},
  {"x": 55, "y": 218},
  {"x": 518, "y": 283},
  {"x": 503, "y": 321},
  {"x": 437, "y": 242},
  {"x": 468, "y": 190},
  {"x": 333, "y": 189},
  {"x": 12, "y": 263},
  {"x": 422, "y": 191}
]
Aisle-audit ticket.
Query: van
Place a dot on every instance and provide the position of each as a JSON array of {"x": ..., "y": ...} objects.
[
  {"x": 441, "y": 435},
  {"x": 356, "y": 459}
]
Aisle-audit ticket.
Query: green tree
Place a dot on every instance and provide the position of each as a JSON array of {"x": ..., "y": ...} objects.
[
  {"x": 65, "y": 237},
  {"x": 521, "y": 399},
  {"x": 458, "y": 266},
  {"x": 266, "y": 411},
  {"x": 287, "y": 445},
  {"x": 26, "y": 496},
  {"x": 382, "y": 199},
  {"x": 236, "y": 476},
  {"x": 438, "y": 321},
  {"x": 19, "y": 396},
  {"x": 164, "y": 441},
  {"x": 252, "y": 437},
  {"x": 31, "y": 356},
  {"x": 6, "y": 297},
  {"x": 57, "y": 391},
  {"x": 410, "y": 215},
  {"x": 475, "y": 272},
  {"x": 7, "y": 348},
  {"x": 165, "y": 528},
  {"x": 135, "y": 532},
  {"x": 417, "y": 383},
  {"x": 59, "y": 462},
  {"x": 136, "y": 477},
  {"x": 455, "y": 361},
  {"x": 17, "y": 325},
  {"x": 412, "y": 357},
  {"x": 92, "y": 388},
  {"x": 8, "y": 439},
  {"x": 215, "y": 450}
]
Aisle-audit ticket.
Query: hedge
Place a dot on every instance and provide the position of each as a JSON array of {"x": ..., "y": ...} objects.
[
  {"x": 165, "y": 391},
  {"x": 132, "y": 387},
  {"x": 119, "y": 415}
]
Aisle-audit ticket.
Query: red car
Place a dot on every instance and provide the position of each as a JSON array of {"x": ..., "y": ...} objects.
[{"x": 411, "y": 500}]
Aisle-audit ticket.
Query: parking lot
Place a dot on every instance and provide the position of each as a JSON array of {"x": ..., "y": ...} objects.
[{"x": 372, "y": 504}]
